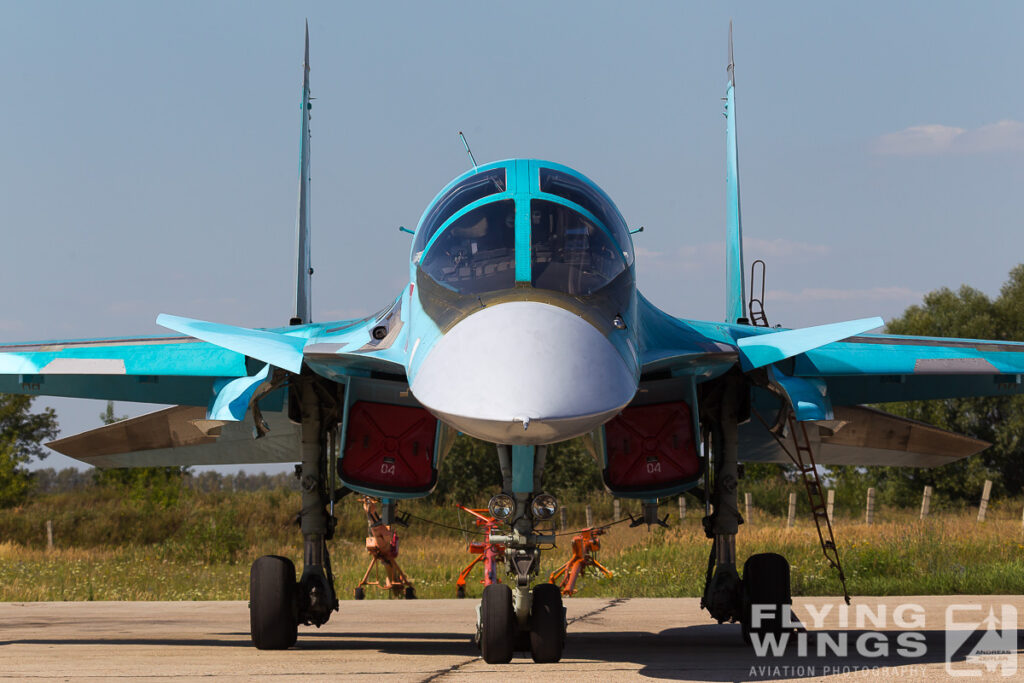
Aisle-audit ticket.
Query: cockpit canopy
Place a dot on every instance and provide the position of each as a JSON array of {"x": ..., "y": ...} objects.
[{"x": 523, "y": 222}]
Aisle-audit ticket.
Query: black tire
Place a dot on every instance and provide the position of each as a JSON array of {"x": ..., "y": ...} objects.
[
  {"x": 460, "y": 592},
  {"x": 498, "y": 624},
  {"x": 765, "y": 582},
  {"x": 273, "y": 610},
  {"x": 410, "y": 593},
  {"x": 359, "y": 593},
  {"x": 547, "y": 624}
]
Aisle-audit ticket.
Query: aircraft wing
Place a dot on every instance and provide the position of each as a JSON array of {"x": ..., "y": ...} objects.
[
  {"x": 881, "y": 368},
  {"x": 153, "y": 369},
  {"x": 857, "y": 368},
  {"x": 194, "y": 366},
  {"x": 211, "y": 375},
  {"x": 857, "y": 435},
  {"x": 825, "y": 380},
  {"x": 182, "y": 435}
]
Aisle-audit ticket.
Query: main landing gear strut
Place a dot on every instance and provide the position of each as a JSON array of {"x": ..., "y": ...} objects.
[
  {"x": 516, "y": 618},
  {"x": 765, "y": 579},
  {"x": 277, "y": 602}
]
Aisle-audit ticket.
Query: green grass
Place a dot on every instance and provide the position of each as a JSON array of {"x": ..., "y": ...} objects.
[{"x": 112, "y": 547}]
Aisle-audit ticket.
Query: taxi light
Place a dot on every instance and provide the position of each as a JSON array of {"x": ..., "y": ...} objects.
[
  {"x": 502, "y": 506},
  {"x": 544, "y": 506}
]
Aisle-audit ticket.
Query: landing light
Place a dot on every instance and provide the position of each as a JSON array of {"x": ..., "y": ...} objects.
[
  {"x": 502, "y": 506},
  {"x": 544, "y": 506}
]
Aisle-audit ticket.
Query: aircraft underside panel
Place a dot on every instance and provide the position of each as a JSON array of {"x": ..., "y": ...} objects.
[
  {"x": 390, "y": 449},
  {"x": 651, "y": 448}
]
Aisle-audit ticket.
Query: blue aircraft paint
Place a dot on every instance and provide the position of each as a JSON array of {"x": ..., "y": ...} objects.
[
  {"x": 807, "y": 396},
  {"x": 281, "y": 350},
  {"x": 232, "y": 396},
  {"x": 762, "y": 349},
  {"x": 522, "y": 468},
  {"x": 735, "y": 305}
]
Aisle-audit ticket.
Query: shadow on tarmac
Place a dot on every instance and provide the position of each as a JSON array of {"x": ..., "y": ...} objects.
[{"x": 705, "y": 652}]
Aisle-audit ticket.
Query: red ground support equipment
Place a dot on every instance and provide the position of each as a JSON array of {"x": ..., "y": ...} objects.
[
  {"x": 382, "y": 544},
  {"x": 491, "y": 554},
  {"x": 583, "y": 544}
]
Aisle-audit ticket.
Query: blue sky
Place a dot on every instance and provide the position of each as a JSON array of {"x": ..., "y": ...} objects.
[{"x": 148, "y": 157}]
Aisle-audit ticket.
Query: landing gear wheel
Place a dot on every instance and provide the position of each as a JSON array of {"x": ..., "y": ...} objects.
[
  {"x": 359, "y": 593},
  {"x": 765, "y": 582},
  {"x": 410, "y": 593},
  {"x": 498, "y": 626},
  {"x": 460, "y": 592},
  {"x": 273, "y": 618},
  {"x": 547, "y": 624}
]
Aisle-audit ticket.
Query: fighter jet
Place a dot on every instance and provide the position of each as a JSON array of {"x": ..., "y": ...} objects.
[{"x": 521, "y": 325}]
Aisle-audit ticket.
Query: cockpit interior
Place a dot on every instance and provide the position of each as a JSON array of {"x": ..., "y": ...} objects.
[{"x": 523, "y": 223}]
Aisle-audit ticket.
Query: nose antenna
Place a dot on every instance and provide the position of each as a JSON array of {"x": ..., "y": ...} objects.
[{"x": 468, "y": 150}]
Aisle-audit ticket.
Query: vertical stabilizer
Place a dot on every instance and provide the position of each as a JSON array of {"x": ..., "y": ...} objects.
[
  {"x": 735, "y": 303},
  {"x": 304, "y": 269}
]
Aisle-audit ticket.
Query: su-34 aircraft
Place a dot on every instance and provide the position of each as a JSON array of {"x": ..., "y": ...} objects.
[{"x": 522, "y": 326}]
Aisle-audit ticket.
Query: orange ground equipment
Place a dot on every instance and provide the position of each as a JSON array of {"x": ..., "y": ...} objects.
[
  {"x": 382, "y": 544},
  {"x": 491, "y": 554},
  {"x": 583, "y": 544}
]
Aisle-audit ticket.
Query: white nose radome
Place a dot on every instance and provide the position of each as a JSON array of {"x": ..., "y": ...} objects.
[{"x": 524, "y": 373}]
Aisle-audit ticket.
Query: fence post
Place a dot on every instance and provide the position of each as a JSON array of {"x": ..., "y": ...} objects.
[
  {"x": 748, "y": 501},
  {"x": 563, "y": 514},
  {"x": 831, "y": 505},
  {"x": 869, "y": 514},
  {"x": 616, "y": 510},
  {"x": 926, "y": 501},
  {"x": 984, "y": 500},
  {"x": 682, "y": 507},
  {"x": 792, "y": 509},
  {"x": 590, "y": 517},
  {"x": 49, "y": 534}
]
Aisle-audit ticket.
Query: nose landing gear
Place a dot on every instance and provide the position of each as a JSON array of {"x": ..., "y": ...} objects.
[
  {"x": 521, "y": 618},
  {"x": 499, "y": 633}
]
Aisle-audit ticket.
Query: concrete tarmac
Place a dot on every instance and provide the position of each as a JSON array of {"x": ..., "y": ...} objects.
[{"x": 902, "y": 638}]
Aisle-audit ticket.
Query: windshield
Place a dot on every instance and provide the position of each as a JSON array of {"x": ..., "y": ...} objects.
[
  {"x": 593, "y": 200},
  {"x": 476, "y": 253},
  {"x": 475, "y": 187},
  {"x": 570, "y": 254}
]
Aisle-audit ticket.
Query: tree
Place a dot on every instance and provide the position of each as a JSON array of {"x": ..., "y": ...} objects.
[
  {"x": 998, "y": 420},
  {"x": 108, "y": 417},
  {"x": 470, "y": 473},
  {"x": 22, "y": 433}
]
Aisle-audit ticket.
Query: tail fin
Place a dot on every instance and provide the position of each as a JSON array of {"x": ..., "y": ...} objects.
[
  {"x": 304, "y": 270},
  {"x": 735, "y": 301}
]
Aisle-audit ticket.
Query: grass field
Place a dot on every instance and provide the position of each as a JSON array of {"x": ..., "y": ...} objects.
[{"x": 110, "y": 547}]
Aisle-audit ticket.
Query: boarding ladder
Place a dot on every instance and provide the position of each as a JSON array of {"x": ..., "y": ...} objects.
[
  {"x": 756, "y": 305},
  {"x": 802, "y": 456}
]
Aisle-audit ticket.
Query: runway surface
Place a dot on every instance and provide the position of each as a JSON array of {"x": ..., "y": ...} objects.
[{"x": 429, "y": 640}]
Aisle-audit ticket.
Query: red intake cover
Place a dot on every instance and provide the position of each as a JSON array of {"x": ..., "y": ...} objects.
[
  {"x": 650, "y": 448},
  {"x": 389, "y": 448}
]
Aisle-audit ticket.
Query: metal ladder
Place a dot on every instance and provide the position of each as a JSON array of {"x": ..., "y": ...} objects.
[
  {"x": 815, "y": 494},
  {"x": 756, "y": 306}
]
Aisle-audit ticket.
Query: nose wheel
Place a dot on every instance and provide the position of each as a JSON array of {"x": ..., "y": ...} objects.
[
  {"x": 547, "y": 624},
  {"x": 499, "y": 635}
]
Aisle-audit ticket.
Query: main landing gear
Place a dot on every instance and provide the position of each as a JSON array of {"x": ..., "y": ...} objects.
[
  {"x": 758, "y": 600},
  {"x": 277, "y": 602},
  {"x": 516, "y": 618}
]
